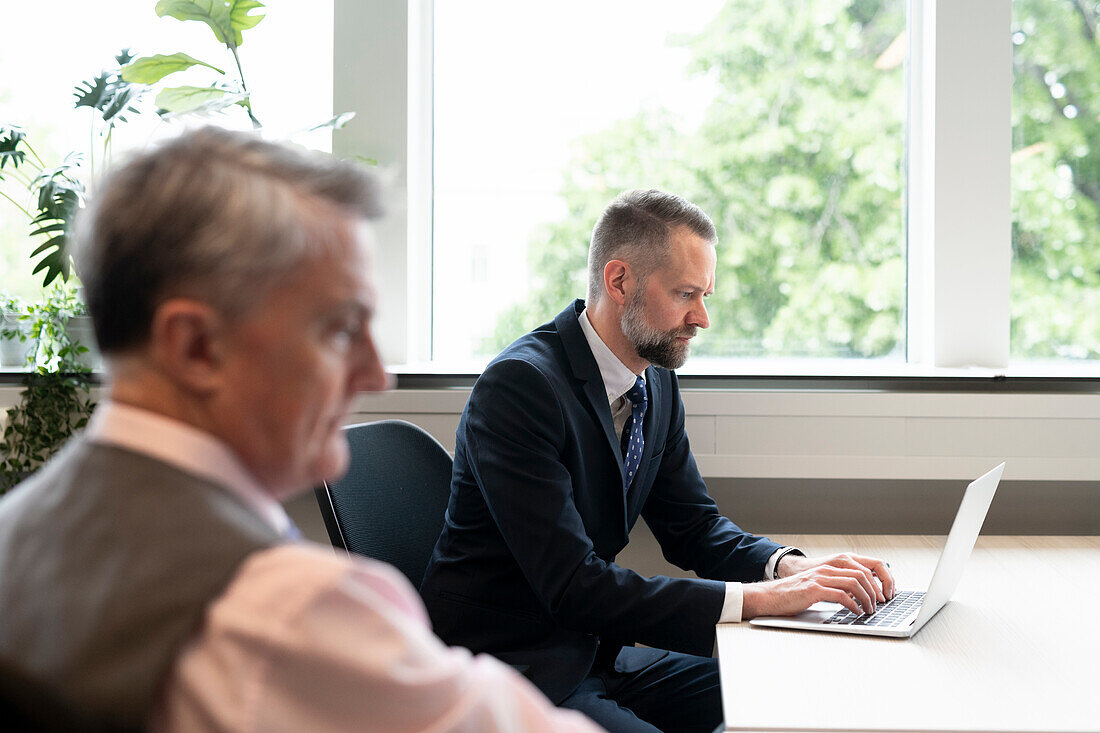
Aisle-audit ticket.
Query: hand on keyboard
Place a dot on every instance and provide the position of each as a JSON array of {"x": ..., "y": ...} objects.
[
  {"x": 894, "y": 613},
  {"x": 854, "y": 589}
]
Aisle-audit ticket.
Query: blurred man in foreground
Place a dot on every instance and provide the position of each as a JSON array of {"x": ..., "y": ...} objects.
[{"x": 149, "y": 573}]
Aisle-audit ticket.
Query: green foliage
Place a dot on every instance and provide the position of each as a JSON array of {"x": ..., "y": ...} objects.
[
  {"x": 10, "y": 154},
  {"x": 1056, "y": 180},
  {"x": 799, "y": 163},
  {"x": 113, "y": 95},
  {"x": 191, "y": 100},
  {"x": 227, "y": 18},
  {"x": 151, "y": 69},
  {"x": 56, "y": 399},
  {"x": 109, "y": 94},
  {"x": 58, "y": 196}
]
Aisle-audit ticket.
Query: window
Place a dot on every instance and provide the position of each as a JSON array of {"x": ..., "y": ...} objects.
[
  {"x": 787, "y": 128},
  {"x": 1056, "y": 180}
]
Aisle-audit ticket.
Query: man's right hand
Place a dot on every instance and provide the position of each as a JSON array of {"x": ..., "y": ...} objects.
[{"x": 787, "y": 596}]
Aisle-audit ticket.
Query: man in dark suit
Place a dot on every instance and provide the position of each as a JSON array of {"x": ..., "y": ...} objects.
[{"x": 570, "y": 435}]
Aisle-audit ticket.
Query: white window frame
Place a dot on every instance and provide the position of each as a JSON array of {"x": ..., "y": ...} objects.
[{"x": 959, "y": 211}]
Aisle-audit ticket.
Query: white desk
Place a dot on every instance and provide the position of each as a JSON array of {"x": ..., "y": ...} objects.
[{"x": 978, "y": 665}]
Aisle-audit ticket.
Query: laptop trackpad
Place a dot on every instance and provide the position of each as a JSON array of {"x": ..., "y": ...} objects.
[{"x": 819, "y": 612}]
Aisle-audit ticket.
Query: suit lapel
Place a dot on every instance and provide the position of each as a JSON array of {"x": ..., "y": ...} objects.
[{"x": 585, "y": 369}]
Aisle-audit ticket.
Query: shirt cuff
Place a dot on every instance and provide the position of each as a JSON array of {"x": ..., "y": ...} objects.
[
  {"x": 732, "y": 606},
  {"x": 772, "y": 566}
]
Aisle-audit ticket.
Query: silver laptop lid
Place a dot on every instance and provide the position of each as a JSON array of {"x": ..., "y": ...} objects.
[{"x": 960, "y": 542}]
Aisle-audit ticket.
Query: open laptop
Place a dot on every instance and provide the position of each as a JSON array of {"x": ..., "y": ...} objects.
[{"x": 908, "y": 611}]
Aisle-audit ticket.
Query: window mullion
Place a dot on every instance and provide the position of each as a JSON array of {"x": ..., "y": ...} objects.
[{"x": 965, "y": 215}]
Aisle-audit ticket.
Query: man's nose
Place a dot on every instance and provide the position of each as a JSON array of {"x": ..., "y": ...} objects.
[
  {"x": 698, "y": 316},
  {"x": 370, "y": 375}
]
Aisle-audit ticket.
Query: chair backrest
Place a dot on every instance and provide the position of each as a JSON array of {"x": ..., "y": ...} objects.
[{"x": 391, "y": 504}]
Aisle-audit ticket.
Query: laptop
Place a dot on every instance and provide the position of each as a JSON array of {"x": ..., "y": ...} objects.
[{"x": 908, "y": 611}]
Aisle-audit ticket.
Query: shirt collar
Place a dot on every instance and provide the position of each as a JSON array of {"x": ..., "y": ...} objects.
[
  {"x": 187, "y": 448},
  {"x": 617, "y": 377}
]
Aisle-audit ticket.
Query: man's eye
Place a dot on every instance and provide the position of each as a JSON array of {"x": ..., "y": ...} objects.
[
  {"x": 343, "y": 334},
  {"x": 685, "y": 294}
]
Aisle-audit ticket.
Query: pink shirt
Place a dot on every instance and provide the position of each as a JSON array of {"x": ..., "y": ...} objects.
[{"x": 304, "y": 639}]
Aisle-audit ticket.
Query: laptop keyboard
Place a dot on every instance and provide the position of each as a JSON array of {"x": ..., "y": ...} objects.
[{"x": 891, "y": 613}]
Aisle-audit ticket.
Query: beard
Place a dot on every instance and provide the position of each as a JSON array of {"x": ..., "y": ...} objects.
[{"x": 657, "y": 347}]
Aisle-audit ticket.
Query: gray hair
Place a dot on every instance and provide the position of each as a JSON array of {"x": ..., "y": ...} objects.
[
  {"x": 213, "y": 214},
  {"x": 636, "y": 227}
]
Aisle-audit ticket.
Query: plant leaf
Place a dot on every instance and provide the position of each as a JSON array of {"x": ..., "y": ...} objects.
[
  {"x": 151, "y": 69},
  {"x": 57, "y": 226},
  {"x": 119, "y": 103},
  {"x": 109, "y": 94},
  {"x": 227, "y": 18},
  {"x": 176, "y": 101},
  {"x": 240, "y": 18},
  {"x": 10, "y": 138},
  {"x": 92, "y": 93},
  {"x": 187, "y": 98},
  {"x": 336, "y": 123}
]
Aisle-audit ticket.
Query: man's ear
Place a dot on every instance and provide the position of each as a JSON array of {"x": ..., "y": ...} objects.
[
  {"x": 617, "y": 281},
  {"x": 187, "y": 343}
]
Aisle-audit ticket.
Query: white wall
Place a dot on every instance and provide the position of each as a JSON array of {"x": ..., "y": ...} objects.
[{"x": 838, "y": 434}]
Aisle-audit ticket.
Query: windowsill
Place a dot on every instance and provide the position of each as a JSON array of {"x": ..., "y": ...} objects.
[
  {"x": 765, "y": 374},
  {"x": 846, "y": 374}
]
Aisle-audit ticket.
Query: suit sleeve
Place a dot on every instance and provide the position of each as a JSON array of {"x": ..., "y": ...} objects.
[
  {"x": 686, "y": 522},
  {"x": 514, "y": 433}
]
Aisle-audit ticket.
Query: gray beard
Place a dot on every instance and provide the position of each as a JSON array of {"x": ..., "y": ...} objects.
[{"x": 656, "y": 347}]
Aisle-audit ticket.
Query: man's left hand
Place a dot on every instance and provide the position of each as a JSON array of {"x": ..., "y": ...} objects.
[{"x": 872, "y": 567}]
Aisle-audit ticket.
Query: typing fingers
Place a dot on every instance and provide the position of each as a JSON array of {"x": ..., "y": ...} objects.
[
  {"x": 838, "y": 596},
  {"x": 866, "y": 568},
  {"x": 851, "y": 583},
  {"x": 881, "y": 570}
]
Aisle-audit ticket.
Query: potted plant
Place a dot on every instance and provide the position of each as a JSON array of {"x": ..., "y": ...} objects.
[
  {"x": 56, "y": 396},
  {"x": 17, "y": 346}
]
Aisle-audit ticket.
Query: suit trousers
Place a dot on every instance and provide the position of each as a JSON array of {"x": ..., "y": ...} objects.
[{"x": 650, "y": 691}]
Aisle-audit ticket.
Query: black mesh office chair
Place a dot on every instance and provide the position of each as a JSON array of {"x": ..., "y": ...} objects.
[{"x": 391, "y": 503}]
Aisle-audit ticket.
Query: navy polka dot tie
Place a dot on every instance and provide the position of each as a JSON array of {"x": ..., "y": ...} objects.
[{"x": 632, "y": 453}]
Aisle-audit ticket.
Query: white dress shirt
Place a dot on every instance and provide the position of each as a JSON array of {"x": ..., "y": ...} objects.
[
  {"x": 303, "y": 639},
  {"x": 617, "y": 380}
]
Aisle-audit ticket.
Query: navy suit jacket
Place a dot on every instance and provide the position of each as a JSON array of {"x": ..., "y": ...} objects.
[{"x": 525, "y": 567}]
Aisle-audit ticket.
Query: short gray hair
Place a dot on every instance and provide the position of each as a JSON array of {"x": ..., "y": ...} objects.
[
  {"x": 213, "y": 214},
  {"x": 636, "y": 227}
]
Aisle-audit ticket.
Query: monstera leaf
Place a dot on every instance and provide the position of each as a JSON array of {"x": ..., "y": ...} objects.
[
  {"x": 62, "y": 200},
  {"x": 227, "y": 18},
  {"x": 59, "y": 199},
  {"x": 109, "y": 94},
  {"x": 93, "y": 93},
  {"x": 10, "y": 139}
]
